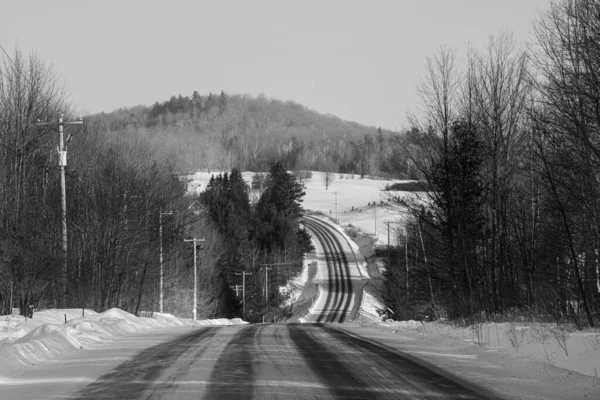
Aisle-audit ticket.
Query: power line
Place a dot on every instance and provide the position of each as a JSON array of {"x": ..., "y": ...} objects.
[
  {"x": 14, "y": 66},
  {"x": 11, "y": 61}
]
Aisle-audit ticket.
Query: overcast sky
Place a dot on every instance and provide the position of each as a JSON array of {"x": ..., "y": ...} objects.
[{"x": 358, "y": 60}]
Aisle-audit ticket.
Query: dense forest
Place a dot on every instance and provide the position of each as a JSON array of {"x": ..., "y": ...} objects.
[
  {"x": 508, "y": 144},
  {"x": 262, "y": 240},
  {"x": 219, "y": 132}
]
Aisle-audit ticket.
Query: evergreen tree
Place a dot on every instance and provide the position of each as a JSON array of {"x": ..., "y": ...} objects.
[
  {"x": 458, "y": 214},
  {"x": 222, "y": 102},
  {"x": 278, "y": 209}
]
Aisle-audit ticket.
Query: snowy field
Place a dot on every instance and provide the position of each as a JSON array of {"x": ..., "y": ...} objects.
[{"x": 350, "y": 198}]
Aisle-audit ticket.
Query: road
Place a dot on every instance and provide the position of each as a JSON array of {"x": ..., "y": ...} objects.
[
  {"x": 291, "y": 361},
  {"x": 339, "y": 279}
]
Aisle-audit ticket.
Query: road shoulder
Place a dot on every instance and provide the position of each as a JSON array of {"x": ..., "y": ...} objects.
[{"x": 512, "y": 377}]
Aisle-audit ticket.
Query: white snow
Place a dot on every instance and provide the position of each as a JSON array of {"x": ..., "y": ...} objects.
[
  {"x": 553, "y": 344},
  {"x": 352, "y": 195},
  {"x": 46, "y": 335}
]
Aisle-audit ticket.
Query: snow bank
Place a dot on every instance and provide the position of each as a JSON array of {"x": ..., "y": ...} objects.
[
  {"x": 546, "y": 343},
  {"x": 409, "y": 325},
  {"x": 46, "y": 335},
  {"x": 369, "y": 307}
]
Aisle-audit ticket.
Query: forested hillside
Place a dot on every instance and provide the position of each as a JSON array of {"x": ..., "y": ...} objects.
[
  {"x": 218, "y": 132},
  {"x": 112, "y": 226}
]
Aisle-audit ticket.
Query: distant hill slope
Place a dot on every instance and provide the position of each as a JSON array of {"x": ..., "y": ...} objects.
[{"x": 222, "y": 131}]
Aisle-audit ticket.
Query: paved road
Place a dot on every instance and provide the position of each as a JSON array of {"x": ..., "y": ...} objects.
[
  {"x": 338, "y": 276},
  {"x": 293, "y": 361}
]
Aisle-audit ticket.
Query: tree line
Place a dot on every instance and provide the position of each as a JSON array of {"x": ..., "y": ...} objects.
[
  {"x": 508, "y": 145},
  {"x": 128, "y": 217},
  {"x": 115, "y": 188},
  {"x": 126, "y": 211},
  {"x": 219, "y": 132}
]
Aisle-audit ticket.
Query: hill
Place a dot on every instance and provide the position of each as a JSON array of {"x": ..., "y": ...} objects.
[{"x": 221, "y": 131}]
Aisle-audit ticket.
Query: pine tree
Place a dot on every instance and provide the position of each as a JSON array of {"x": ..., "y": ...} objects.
[
  {"x": 279, "y": 209},
  {"x": 222, "y": 102}
]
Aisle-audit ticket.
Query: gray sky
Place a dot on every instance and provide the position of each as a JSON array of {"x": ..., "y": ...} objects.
[{"x": 358, "y": 60}]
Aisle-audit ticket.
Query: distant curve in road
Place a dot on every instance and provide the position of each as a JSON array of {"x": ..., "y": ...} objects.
[
  {"x": 341, "y": 284},
  {"x": 276, "y": 361}
]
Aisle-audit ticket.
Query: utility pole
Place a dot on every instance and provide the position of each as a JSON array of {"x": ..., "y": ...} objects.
[
  {"x": 62, "y": 163},
  {"x": 160, "y": 214},
  {"x": 388, "y": 224},
  {"x": 406, "y": 259},
  {"x": 195, "y": 275},
  {"x": 375, "y": 218},
  {"x": 267, "y": 268},
  {"x": 243, "y": 273},
  {"x": 337, "y": 221}
]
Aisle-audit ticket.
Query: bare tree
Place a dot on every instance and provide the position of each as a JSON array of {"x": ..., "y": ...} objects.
[
  {"x": 439, "y": 92},
  {"x": 567, "y": 122},
  {"x": 328, "y": 178},
  {"x": 29, "y": 91},
  {"x": 500, "y": 91}
]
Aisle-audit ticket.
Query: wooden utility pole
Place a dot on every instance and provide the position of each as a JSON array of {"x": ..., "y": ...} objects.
[
  {"x": 244, "y": 273},
  {"x": 388, "y": 224},
  {"x": 195, "y": 275},
  {"x": 375, "y": 211},
  {"x": 161, "y": 290},
  {"x": 406, "y": 260},
  {"x": 267, "y": 268},
  {"x": 337, "y": 221},
  {"x": 62, "y": 163}
]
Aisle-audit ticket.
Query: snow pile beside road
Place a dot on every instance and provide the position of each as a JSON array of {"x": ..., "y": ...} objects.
[
  {"x": 369, "y": 307},
  {"x": 557, "y": 345},
  {"x": 46, "y": 335},
  {"x": 409, "y": 325},
  {"x": 221, "y": 321}
]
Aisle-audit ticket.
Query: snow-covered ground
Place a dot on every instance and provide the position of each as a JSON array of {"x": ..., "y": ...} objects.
[
  {"x": 351, "y": 193},
  {"x": 540, "y": 347},
  {"x": 577, "y": 351},
  {"x": 47, "y": 336}
]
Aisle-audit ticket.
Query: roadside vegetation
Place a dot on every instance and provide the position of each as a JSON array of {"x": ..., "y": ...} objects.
[
  {"x": 507, "y": 141},
  {"x": 503, "y": 153}
]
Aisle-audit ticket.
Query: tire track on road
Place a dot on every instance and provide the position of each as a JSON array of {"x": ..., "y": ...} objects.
[
  {"x": 328, "y": 261},
  {"x": 335, "y": 259},
  {"x": 235, "y": 367},
  {"x": 408, "y": 370},
  {"x": 140, "y": 374},
  {"x": 346, "y": 267},
  {"x": 344, "y": 276}
]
